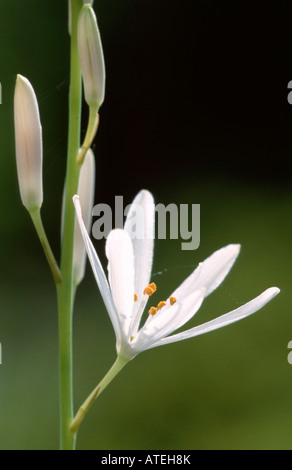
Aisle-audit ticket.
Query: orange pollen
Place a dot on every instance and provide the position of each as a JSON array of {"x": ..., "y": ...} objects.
[
  {"x": 152, "y": 311},
  {"x": 135, "y": 297},
  {"x": 153, "y": 286},
  {"x": 161, "y": 304},
  {"x": 172, "y": 300},
  {"x": 149, "y": 290}
]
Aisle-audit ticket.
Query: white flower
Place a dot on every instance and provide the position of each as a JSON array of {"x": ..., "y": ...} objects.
[{"x": 128, "y": 289}]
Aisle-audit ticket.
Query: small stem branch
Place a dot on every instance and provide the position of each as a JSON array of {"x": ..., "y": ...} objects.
[
  {"x": 93, "y": 122},
  {"x": 38, "y": 224},
  {"x": 114, "y": 370}
]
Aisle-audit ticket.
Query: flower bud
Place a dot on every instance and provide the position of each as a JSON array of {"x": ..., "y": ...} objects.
[
  {"x": 28, "y": 142},
  {"x": 86, "y": 188},
  {"x": 70, "y": 15},
  {"x": 91, "y": 57}
]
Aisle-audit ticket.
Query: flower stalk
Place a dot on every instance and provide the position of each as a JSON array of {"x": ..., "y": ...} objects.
[
  {"x": 29, "y": 161},
  {"x": 87, "y": 63},
  {"x": 118, "y": 365},
  {"x": 65, "y": 289},
  {"x": 38, "y": 224},
  {"x": 92, "y": 127}
]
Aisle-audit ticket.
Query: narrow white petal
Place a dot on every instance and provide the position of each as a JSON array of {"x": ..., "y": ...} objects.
[
  {"x": 98, "y": 271},
  {"x": 119, "y": 251},
  {"x": 168, "y": 320},
  {"x": 86, "y": 195},
  {"x": 224, "y": 320},
  {"x": 210, "y": 273},
  {"x": 140, "y": 225}
]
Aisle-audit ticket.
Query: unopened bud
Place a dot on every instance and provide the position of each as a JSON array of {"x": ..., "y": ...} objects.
[
  {"x": 28, "y": 142},
  {"x": 70, "y": 15},
  {"x": 91, "y": 57},
  {"x": 86, "y": 195}
]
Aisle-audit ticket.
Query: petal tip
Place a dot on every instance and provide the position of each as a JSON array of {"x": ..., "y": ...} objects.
[
  {"x": 76, "y": 200},
  {"x": 236, "y": 247},
  {"x": 273, "y": 291},
  {"x": 20, "y": 78},
  {"x": 144, "y": 195}
]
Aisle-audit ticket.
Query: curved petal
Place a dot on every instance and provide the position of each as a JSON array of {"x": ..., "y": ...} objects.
[
  {"x": 210, "y": 273},
  {"x": 86, "y": 194},
  {"x": 224, "y": 320},
  {"x": 119, "y": 251},
  {"x": 168, "y": 320},
  {"x": 98, "y": 271},
  {"x": 140, "y": 225}
]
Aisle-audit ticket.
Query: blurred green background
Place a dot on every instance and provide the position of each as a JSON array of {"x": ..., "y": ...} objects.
[{"x": 196, "y": 111}]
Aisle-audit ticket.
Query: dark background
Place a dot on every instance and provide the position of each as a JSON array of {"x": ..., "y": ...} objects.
[{"x": 196, "y": 111}]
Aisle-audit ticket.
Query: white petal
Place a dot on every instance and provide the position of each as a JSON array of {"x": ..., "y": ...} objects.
[
  {"x": 210, "y": 273},
  {"x": 142, "y": 213},
  {"x": 168, "y": 320},
  {"x": 98, "y": 271},
  {"x": 119, "y": 251},
  {"x": 224, "y": 320},
  {"x": 86, "y": 194}
]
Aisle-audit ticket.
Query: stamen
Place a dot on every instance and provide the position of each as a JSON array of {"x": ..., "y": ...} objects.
[
  {"x": 153, "y": 286},
  {"x": 152, "y": 311},
  {"x": 135, "y": 297},
  {"x": 161, "y": 304},
  {"x": 172, "y": 300},
  {"x": 149, "y": 290}
]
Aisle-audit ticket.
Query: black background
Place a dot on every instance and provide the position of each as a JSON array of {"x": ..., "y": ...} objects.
[{"x": 201, "y": 89}]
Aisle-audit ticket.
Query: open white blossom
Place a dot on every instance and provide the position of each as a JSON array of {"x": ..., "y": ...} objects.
[{"x": 129, "y": 287}]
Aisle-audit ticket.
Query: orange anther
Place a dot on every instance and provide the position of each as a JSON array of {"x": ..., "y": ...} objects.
[
  {"x": 152, "y": 311},
  {"x": 172, "y": 300},
  {"x": 161, "y": 304},
  {"x": 149, "y": 290}
]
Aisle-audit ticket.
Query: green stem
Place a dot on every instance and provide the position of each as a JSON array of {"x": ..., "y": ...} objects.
[
  {"x": 114, "y": 370},
  {"x": 38, "y": 224},
  {"x": 65, "y": 288}
]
